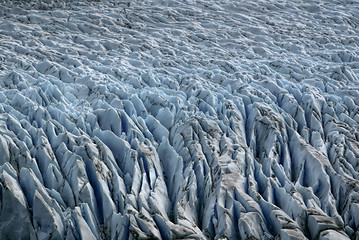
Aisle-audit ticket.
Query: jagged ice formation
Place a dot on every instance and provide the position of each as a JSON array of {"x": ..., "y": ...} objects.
[{"x": 179, "y": 119}]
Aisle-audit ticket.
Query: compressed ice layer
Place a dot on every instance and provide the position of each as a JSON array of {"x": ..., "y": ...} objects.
[{"x": 192, "y": 120}]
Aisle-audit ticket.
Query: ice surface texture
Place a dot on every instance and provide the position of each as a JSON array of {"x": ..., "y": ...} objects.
[{"x": 179, "y": 119}]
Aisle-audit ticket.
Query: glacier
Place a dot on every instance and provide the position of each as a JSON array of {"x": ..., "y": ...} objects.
[{"x": 186, "y": 119}]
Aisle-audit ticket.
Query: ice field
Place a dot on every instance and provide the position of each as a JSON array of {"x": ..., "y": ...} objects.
[{"x": 186, "y": 119}]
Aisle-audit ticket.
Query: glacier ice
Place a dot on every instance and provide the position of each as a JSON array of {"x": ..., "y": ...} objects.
[{"x": 179, "y": 119}]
